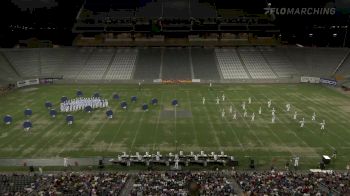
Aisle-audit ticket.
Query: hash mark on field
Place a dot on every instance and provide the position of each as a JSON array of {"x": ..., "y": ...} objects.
[
  {"x": 245, "y": 122},
  {"x": 213, "y": 129},
  {"x": 231, "y": 128},
  {"x": 9, "y": 140},
  {"x": 116, "y": 133},
  {"x": 137, "y": 131},
  {"x": 29, "y": 142},
  {"x": 98, "y": 132},
  {"x": 274, "y": 134},
  {"x": 292, "y": 132},
  {"x": 157, "y": 125},
  {"x": 69, "y": 142},
  {"x": 193, "y": 124},
  {"x": 330, "y": 110},
  {"x": 43, "y": 147}
]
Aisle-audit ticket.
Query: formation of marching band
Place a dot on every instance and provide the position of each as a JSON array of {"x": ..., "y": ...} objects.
[{"x": 80, "y": 104}]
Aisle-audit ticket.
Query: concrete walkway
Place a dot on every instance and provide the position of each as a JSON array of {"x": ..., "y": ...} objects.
[{"x": 92, "y": 161}]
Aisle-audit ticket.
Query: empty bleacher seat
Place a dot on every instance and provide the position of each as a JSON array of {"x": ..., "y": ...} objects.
[
  {"x": 148, "y": 64},
  {"x": 256, "y": 64},
  {"x": 229, "y": 64},
  {"x": 123, "y": 65}
]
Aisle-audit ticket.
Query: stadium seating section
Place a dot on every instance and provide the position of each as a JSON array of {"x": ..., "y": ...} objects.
[
  {"x": 177, "y": 183},
  {"x": 109, "y": 64}
]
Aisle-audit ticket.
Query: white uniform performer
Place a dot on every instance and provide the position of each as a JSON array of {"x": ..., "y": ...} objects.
[
  {"x": 313, "y": 116},
  {"x": 65, "y": 162},
  {"x": 273, "y": 119},
  {"x": 217, "y": 101},
  {"x": 296, "y": 162},
  {"x": 223, "y": 113},
  {"x": 260, "y": 110},
  {"x": 269, "y": 103},
  {"x": 253, "y": 116},
  {"x": 231, "y": 109},
  {"x": 210, "y": 84},
  {"x": 245, "y": 113},
  {"x": 249, "y": 100},
  {"x": 203, "y": 100},
  {"x": 243, "y": 105},
  {"x": 273, "y": 111},
  {"x": 295, "y": 115},
  {"x": 234, "y": 115},
  {"x": 223, "y": 97},
  {"x": 80, "y": 103},
  {"x": 302, "y": 123},
  {"x": 288, "y": 107},
  {"x": 323, "y": 123}
]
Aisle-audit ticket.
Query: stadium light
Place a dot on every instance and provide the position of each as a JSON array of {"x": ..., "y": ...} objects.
[
  {"x": 311, "y": 34},
  {"x": 335, "y": 35}
]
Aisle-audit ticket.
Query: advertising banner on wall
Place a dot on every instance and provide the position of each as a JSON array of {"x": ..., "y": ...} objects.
[
  {"x": 328, "y": 81},
  {"x": 30, "y": 82},
  {"x": 313, "y": 80}
]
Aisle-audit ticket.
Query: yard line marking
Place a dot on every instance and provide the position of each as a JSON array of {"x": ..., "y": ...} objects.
[
  {"x": 337, "y": 124},
  {"x": 212, "y": 126},
  {"x": 127, "y": 114},
  {"x": 158, "y": 119},
  {"x": 193, "y": 124},
  {"x": 291, "y": 131},
  {"x": 43, "y": 147},
  {"x": 98, "y": 132},
  {"x": 116, "y": 133},
  {"x": 137, "y": 131},
  {"x": 13, "y": 129},
  {"x": 231, "y": 128},
  {"x": 28, "y": 143},
  {"x": 245, "y": 122},
  {"x": 271, "y": 131},
  {"x": 69, "y": 142}
]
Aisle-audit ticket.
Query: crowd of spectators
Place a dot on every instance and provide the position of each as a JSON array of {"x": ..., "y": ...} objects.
[
  {"x": 289, "y": 183},
  {"x": 182, "y": 183},
  {"x": 6, "y": 88},
  {"x": 177, "y": 183},
  {"x": 64, "y": 184}
]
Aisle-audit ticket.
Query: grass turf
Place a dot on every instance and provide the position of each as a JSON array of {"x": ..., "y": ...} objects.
[{"x": 195, "y": 126}]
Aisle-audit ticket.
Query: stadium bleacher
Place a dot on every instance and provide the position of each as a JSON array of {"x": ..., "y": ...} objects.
[
  {"x": 204, "y": 64},
  {"x": 344, "y": 69},
  {"x": 94, "y": 64},
  {"x": 25, "y": 61},
  {"x": 97, "y": 65},
  {"x": 122, "y": 66},
  {"x": 178, "y": 183},
  {"x": 148, "y": 64},
  {"x": 315, "y": 61},
  {"x": 75, "y": 62},
  {"x": 256, "y": 64},
  {"x": 7, "y": 73},
  {"x": 15, "y": 183},
  {"x": 175, "y": 64},
  {"x": 290, "y": 183},
  {"x": 52, "y": 60},
  {"x": 279, "y": 63},
  {"x": 230, "y": 65}
]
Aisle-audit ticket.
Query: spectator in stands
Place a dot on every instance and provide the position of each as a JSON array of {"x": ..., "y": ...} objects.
[{"x": 289, "y": 183}]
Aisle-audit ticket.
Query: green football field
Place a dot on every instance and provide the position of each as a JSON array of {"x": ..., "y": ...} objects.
[{"x": 192, "y": 127}]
